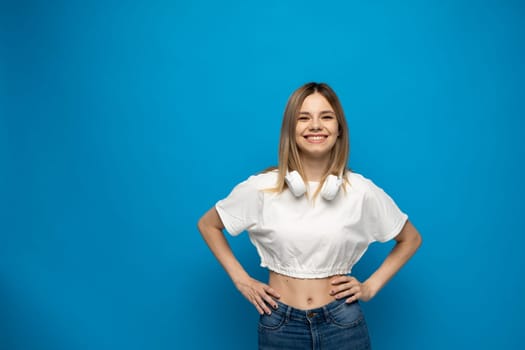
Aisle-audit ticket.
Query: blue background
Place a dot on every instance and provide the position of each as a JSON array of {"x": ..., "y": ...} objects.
[{"x": 123, "y": 122}]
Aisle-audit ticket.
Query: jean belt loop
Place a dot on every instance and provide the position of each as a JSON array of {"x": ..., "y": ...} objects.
[
  {"x": 288, "y": 312},
  {"x": 327, "y": 314}
]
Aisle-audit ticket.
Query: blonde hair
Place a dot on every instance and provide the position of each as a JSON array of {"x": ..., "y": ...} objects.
[{"x": 289, "y": 157}]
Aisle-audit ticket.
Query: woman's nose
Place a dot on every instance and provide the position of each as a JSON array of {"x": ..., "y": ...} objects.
[{"x": 315, "y": 124}]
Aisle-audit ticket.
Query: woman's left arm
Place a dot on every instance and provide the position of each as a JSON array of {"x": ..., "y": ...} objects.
[{"x": 407, "y": 242}]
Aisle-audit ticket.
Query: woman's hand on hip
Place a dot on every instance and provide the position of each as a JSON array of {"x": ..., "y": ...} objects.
[
  {"x": 259, "y": 294},
  {"x": 350, "y": 288}
]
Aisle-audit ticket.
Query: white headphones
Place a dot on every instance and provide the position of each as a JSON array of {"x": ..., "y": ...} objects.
[{"x": 298, "y": 188}]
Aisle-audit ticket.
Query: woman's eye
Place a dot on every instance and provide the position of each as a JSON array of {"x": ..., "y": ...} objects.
[
  {"x": 302, "y": 118},
  {"x": 328, "y": 117}
]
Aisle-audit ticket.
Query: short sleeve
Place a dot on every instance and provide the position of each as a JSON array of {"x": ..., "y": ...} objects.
[
  {"x": 240, "y": 209},
  {"x": 384, "y": 219}
]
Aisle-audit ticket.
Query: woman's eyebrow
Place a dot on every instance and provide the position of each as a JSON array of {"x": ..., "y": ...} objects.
[{"x": 322, "y": 112}]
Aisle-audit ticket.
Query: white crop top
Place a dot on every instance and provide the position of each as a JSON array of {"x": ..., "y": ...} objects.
[{"x": 304, "y": 239}]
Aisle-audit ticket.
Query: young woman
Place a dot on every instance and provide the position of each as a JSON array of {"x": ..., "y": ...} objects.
[{"x": 311, "y": 219}]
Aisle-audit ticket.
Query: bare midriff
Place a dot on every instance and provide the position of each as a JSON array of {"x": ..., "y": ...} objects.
[{"x": 302, "y": 293}]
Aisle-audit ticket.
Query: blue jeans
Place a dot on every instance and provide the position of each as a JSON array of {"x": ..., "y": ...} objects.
[{"x": 336, "y": 325}]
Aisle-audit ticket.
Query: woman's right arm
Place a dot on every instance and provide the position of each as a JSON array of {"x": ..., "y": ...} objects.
[{"x": 259, "y": 294}]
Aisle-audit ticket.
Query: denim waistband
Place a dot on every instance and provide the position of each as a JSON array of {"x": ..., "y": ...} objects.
[{"x": 317, "y": 314}]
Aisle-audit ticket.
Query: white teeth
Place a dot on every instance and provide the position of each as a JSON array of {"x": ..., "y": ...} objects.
[{"x": 315, "y": 138}]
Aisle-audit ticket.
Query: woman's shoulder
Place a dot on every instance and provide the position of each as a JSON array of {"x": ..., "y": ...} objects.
[
  {"x": 358, "y": 181},
  {"x": 264, "y": 179},
  {"x": 356, "y": 178},
  {"x": 364, "y": 184}
]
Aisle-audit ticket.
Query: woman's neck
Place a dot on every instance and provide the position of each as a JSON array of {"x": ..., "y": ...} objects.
[{"x": 314, "y": 168}]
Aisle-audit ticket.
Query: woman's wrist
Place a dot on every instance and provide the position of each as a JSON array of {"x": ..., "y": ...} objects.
[
  {"x": 239, "y": 276},
  {"x": 371, "y": 287}
]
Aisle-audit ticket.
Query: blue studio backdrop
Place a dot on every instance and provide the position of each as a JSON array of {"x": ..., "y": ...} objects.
[{"x": 122, "y": 122}]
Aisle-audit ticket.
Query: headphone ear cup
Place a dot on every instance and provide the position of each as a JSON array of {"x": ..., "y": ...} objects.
[
  {"x": 295, "y": 183},
  {"x": 331, "y": 187}
]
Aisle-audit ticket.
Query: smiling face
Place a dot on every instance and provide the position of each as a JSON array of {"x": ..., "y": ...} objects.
[{"x": 317, "y": 128}]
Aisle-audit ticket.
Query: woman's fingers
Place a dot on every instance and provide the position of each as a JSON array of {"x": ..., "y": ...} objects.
[
  {"x": 269, "y": 300},
  {"x": 260, "y": 295},
  {"x": 259, "y": 309},
  {"x": 266, "y": 302},
  {"x": 353, "y": 298},
  {"x": 256, "y": 300},
  {"x": 352, "y": 290},
  {"x": 342, "y": 279},
  {"x": 269, "y": 290},
  {"x": 262, "y": 304},
  {"x": 344, "y": 286},
  {"x": 361, "y": 292}
]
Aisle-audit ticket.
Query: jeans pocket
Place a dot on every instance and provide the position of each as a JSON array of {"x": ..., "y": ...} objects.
[
  {"x": 347, "y": 315},
  {"x": 272, "y": 322}
]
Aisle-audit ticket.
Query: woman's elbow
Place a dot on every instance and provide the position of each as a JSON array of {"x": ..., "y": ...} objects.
[
  {"x": 209, "y": 222},
  {"x": 202, "y": 224},
  {"x": 410, "y": 236},
  {"x": 418, "y": 240},
  {"x": 415, "y": 238},
  {"x": 199, "y": 224}
]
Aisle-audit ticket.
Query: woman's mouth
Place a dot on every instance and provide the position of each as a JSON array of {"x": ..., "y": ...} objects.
[{"x": 315, "y": 138}]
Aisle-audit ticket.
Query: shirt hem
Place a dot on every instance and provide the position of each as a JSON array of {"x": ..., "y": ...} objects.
[{"x": 307, "y": 274}]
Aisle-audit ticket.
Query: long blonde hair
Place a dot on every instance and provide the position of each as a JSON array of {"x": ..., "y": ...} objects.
[{"x": 289, "y": 157}]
